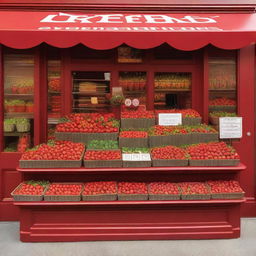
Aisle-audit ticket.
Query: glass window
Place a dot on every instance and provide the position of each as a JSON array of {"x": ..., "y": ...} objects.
[{"x": 18, "y": 101}]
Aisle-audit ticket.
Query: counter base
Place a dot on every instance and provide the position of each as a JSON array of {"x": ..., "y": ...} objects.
[{"x": 43, "y": 222}]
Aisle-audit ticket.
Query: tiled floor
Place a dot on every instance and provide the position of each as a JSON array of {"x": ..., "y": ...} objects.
[{"x": 244, "y": 246}]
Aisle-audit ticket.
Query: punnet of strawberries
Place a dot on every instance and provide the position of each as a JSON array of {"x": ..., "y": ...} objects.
[
  {"x": 64, "y": 189},
  {"x": 168, "y": 152},
  {"x": 100, "y": 187},
  {"x": 55, "y": 150},
  {"x": 31, "y": 188},
  {"x": 222, "y": 102},
  {"x": 88, "y": 123},
  {"x": 132, "y": 188},
  {"x": 193, "y": 188},
  {"x": 159, "y": 130},
  {"x": 133, "y": 134},
  {"x": 212, "y": 150},
  {"x": 163, "y": 188},
  {"x": 137, "y": 114},
  {"x": 224, "y": 186},
  {"x": 103, "y": 155},
  {"x": 185, "y": 112}
]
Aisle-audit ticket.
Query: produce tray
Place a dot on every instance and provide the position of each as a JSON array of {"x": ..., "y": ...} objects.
[
  {"x": 196, "y": 197},
  {"x": 137, "y": 122},
  {"x": 214, "y": 162},
  {"x": 27, "y": 197},
  {"x": 222, "y": 108},
  {"x": 191, "y": 120},
  {"x": 163, "y": 197},
  {"x": 102, "y": 163},
  {"x": 85, "y": 137},
  {"x": 9, "y": 127},
  {"x": 169, "y": 162},
  {"x": 133, "y": 142},
  {"x": 100, "y": 197},
  {"x": 236, "y": 195},
  {"x": 203, "y": 137},
  {"x": 175, "y": 140},
  {"x": 132, "y": 197},
  {"x": 22, "y": 127},
  {"x": 64, "y": 197},
  {"x": 136, "y": 164}
]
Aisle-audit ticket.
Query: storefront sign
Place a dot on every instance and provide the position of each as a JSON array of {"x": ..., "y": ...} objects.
[
  {"x": 167, "y": 119},
  {"x": 230, "y": 127}
]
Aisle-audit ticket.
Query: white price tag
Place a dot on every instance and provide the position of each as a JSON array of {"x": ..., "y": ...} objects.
[
  {"x": 127, "y": 157},
  {"x": 145, "y": 157},
  {"x": 167, "y": 119},
  {"x": 136, "y": 157},
  {"x": 107, "y": 76},
  {"x": 230, "y": 127}
]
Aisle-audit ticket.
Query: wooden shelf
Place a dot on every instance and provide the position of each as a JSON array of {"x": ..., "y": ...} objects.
[
  {"x": 222, "y": 90},
  {"x": 14, "y": 134},
  {"x": 134, "y": 92},
  {"x": 172, "y": 90},
  {"x": 90, "y": 93},
  {"x": 186, "y": 169},
  {"x": 18, "y": 95},
  {"x": 90, "y": 80},
  {"x": 149, "y": 202}
]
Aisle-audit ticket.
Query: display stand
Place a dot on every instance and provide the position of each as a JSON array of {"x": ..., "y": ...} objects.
[{"x": 129, "y": 220}]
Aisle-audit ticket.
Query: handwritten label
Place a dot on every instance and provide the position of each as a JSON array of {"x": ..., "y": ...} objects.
[
  {"x": 230, "y": 127},
  {"x": 136, "y": 157},
  {"x": 167, "y": 119}
]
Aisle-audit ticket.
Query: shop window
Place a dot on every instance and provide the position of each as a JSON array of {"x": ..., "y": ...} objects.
[
  {"x": 134, "y": 85},
  {"x": 54, "y": 95},
  {"x": 18, "y": 101},
  {"x": 90, "y": 91},
  {"x": 222, "y": 88},
  {"x": 172, "y": 90}
]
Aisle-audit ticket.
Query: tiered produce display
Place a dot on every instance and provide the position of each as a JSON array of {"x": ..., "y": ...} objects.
[
  {"x": 222, "y": 104},
  {"x": 113, "y": 190},
  {"x": 172, "y": 81}
]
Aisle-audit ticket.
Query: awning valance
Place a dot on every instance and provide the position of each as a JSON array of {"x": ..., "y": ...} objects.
[{"x": 23, "y": 29}]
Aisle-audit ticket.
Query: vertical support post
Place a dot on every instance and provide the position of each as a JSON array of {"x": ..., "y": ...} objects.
[
  {"x": 1, "y": 98},
  {"x": 205, "y": 85}
]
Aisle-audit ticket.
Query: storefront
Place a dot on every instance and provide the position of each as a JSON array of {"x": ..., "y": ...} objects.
[{"x": 57, "y": 63}]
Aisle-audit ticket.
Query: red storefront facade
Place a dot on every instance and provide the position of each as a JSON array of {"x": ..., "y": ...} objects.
[{"x": 84, "y": 38}]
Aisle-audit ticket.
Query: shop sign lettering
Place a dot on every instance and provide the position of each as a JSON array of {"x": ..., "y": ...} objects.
[{"x": 124, "y": 18}]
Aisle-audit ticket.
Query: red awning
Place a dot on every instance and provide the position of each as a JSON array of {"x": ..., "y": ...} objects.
[{"x": 140, "y": 30}]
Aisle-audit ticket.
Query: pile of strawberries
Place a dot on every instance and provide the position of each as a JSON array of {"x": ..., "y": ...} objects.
[
  {"x": 132, "y": 188},
  {"x": 168, "y": 152},
  {"x": 224, "y": 186},
  {"x": 100, "y": 187},
  {"x": 212, "y": 150},
  {"x": 133, "y": 134},
  {"x": 193, "y": 188},
  {"x": 31, "y": 188},
  {"x": 64, "y": 189},
  {"x": 103, "y": 155},
  {"x": 222, "y": 102},
  {"x": 89, "y": 123},
  {"x": 164, "y": 188},
  {"x": 55, "y": 150}
]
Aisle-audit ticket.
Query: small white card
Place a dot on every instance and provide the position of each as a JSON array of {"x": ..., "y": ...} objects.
[
  {"x": 127, "y": 157},
  {"x": 168, "y": 119},
  {"x": 107, "y": 76},
  {"x": 231, "y": 127}
]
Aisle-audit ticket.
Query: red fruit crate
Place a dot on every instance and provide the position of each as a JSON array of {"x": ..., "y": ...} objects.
[
  {"x": 169, "y": 162},
  {"x": 162, "y": 196}
]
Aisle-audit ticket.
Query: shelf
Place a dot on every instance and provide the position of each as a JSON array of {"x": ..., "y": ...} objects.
[
  {"x": 14, "y": 134},
  {"x": 52, "y": 92},
  {"x": 90, "y": 80},
  {"x": 172, "y": 90},
  {"x": 222, "y": 90},
  {"x": 90, "y": 93},
  {"x": 22, "y": 115},
  {"x": 186, "y": 169},
  {"x": 134, "y": 92},
  {"x": 115, "y": 203},
  {"x": 92, "y": 106},
  {"x": 18, "y": 95}
]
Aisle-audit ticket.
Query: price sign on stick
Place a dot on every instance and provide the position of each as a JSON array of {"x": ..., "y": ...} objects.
[
  {"x": 169, "y": 119},
  {"x": 230, "y": 127}
]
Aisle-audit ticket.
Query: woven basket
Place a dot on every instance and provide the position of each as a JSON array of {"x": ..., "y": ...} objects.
[
  {"x": 173, "y": 139},
  {"x": 135, "y": 164},
  {"x": 163, "y": 197},
  {"x": 214, "y": 162},
  {"x": 196, "y": 197},
  {"x": 203, "y": 137},
  {"x": 169, "y": 162},
  {"x": 23, "y": 127},
  {"x": 85, "y": 137},
  {"x": 137, "y": 122},
  {"x": 222, "y": 108},
  {"x": 64, "y": 197},
  {"x": 133, "y": 142},
  {"x": 100, "y": 197},
  {"x": 102, "y": 163},
  {"x": 236, "y": 195},
  {"x": 132, "y": 197},
  {"x": 191, "y": 120},
  {"x": 9, "y": 127},
  {"x": 27, "y": 197}
]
